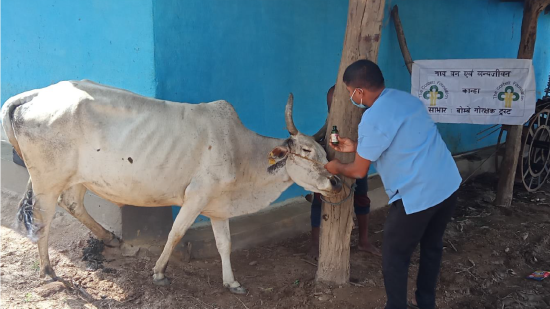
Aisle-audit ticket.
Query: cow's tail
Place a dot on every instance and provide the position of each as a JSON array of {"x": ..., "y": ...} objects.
[
  {"x": 25, "y": 216},
  {"x": 8, "y": 110},
  {"x": 24, "y": 220}
]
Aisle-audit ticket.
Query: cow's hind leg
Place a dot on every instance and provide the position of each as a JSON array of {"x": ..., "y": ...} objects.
[
  {"x": 36, "y": 211},
  {"x": 192, "y": 206},
  {"x": 223, "y": 242},
  {"x": 43, "y": 212},
  {"x": 72, "y": 200}
]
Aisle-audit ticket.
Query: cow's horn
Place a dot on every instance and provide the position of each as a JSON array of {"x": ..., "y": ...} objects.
[
  {"x": 288, "y": 116},
  {"x": 321, "y": 133}
]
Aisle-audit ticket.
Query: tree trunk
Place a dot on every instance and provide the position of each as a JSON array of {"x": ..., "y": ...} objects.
[
  {"x": 505, "y": 191},
  {"x": 361, "y": 41}
]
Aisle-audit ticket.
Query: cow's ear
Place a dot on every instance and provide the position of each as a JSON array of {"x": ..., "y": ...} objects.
[
  {"x": 279, "y": 152},
  {"x": 277, "y": 159}
]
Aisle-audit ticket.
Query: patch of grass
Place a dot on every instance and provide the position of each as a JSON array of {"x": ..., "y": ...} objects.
[
  {"x": 36, "y": 266},
  {"x": 28, "y": 297}
]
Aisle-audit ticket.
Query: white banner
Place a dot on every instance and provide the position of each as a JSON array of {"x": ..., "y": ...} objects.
[{"x": 480, "y": 91}]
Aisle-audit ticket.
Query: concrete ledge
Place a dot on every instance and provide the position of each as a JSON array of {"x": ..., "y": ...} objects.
[
  {"x": 471, "y": 164},
  {"x": 275, "y": 223},
  {"x": 148, "y": 228}
]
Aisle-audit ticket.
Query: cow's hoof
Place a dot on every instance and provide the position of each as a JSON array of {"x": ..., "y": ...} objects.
[
  {"x": 47, "y": 272},
  {"x": 238, "y": 290},
  {"x": 113, "y": 243},
  {"x": 162, "y": 282}
]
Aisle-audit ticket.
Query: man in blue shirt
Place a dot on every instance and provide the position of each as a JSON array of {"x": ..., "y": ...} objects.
[{"x": 419, "y": 174}]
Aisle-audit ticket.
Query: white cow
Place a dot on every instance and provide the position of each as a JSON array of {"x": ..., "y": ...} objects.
[{"x": 133, "y": 150}]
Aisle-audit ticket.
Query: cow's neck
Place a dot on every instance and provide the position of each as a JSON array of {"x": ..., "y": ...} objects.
[
  {"x": 269, "y": 175},
  {"x": 260, "y": 188}
]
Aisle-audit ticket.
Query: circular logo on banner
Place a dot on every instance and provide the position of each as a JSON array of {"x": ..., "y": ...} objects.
[
  {"x": 433, "y": 92},
  {"x": 507, "y": 93}
]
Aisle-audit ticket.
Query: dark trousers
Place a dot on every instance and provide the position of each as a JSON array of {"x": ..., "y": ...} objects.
[{"x": 402, "y": 233}]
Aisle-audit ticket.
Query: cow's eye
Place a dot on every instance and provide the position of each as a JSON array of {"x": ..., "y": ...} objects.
[{"x": 306, "y": 150}]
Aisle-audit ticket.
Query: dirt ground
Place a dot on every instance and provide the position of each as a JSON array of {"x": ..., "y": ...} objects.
[{"x": 489, "y": 252}]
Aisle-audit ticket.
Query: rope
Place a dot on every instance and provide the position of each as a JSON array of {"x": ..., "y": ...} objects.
[
  {"x": 352, "y": 189},
  {"x": 306, "y": 158}
]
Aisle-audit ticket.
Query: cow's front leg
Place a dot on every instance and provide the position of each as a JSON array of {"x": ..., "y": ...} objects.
[
  {"x": 223, "y": 242},
  {"x": 188, "y": 213}
]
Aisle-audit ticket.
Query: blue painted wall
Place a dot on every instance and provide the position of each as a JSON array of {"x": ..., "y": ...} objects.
[
  {"x": 249, "y": 52},
  {"x": 542, "y": 54},
  {"x": 44, "y": 42},
  {"x": 252, "y": 54},
  {"x": 460, "y": 29}
]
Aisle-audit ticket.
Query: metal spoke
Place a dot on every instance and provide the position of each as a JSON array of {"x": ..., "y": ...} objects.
[
  {"x": 544, "y": 174},
  {"x": 536, "y": 151}
]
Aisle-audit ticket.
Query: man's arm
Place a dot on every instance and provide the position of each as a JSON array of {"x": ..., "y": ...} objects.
[{"x": 357, "y": 169}]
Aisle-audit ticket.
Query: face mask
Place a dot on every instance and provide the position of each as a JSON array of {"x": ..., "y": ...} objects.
[{"x": 360, "y": 105}]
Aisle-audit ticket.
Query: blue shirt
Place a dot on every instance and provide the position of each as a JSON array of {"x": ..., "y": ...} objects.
[{"x": 398, "y": 135}]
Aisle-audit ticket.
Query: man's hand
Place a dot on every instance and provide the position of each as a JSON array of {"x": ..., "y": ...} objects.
[
  {"x": 344, "y": 145},
  {"x": 333, "y": 167}
]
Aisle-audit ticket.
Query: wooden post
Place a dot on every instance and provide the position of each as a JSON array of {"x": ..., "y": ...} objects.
[
  {"x": 401, "y": 38},
  {"x": 505, "y": 190},
  {"x": 361, "y": 41}
]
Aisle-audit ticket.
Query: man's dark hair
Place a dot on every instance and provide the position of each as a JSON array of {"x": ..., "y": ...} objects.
[
  {"x": 331, "y": 89},
  {"x": 364, "y": 73},
  {"x": 330, "y": 94}
]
